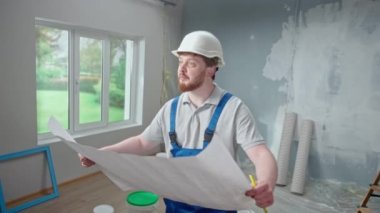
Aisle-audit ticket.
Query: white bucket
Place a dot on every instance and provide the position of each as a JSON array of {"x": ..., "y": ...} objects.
[
  {"x": 104, "y": 208},
  {"x": 141, "y": 201}
]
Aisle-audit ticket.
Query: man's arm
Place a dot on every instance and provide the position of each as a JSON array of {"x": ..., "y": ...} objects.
[
  {"x": 134, "y": 145},
  {"x": 266, "y": 172}
]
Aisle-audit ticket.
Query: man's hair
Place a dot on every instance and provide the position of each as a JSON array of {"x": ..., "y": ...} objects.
[{"x": 211, "y": 62}]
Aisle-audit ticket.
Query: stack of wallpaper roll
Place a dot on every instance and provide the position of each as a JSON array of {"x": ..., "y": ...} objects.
[{"x": 300, "y": 168}]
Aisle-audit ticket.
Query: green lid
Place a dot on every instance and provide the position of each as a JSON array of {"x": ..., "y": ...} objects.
[{"x": 142, "y": 198}]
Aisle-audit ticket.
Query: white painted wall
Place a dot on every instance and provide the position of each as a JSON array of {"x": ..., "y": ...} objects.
[{"x": 17, "y": 77}]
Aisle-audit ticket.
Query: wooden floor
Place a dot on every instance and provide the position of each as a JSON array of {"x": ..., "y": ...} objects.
[{"x": 82, "y": 196}]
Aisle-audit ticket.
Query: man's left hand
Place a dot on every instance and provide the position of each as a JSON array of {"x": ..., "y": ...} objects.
[{"x": 262, "y": 194}]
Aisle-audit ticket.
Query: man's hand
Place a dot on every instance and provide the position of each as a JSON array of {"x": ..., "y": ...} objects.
[
  {"x": 85, "y": 162},
  {"x": 262, "y": 194}
]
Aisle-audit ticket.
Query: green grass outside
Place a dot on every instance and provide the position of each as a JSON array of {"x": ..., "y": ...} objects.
[{"x": 55, "y": 102}]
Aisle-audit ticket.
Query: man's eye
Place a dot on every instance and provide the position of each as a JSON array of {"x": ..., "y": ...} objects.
[{"x": 192, "y": 64}]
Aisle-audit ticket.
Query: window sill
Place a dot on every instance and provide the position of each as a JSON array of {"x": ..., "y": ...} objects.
[{"x": 52, "y": 139}]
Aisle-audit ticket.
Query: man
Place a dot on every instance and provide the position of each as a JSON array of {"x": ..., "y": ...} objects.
[{"x": 203, "y": 113}]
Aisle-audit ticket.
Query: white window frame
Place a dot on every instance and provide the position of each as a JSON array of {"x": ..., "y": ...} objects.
[{"x": 134, "y": 72}]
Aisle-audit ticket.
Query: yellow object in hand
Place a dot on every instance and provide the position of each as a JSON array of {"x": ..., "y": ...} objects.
[
  {"x": 253, "y": 181},
  {"x": 253, "y": 184}
]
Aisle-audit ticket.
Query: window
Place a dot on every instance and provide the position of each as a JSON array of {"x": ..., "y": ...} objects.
[{"x": 86, "y": 78}]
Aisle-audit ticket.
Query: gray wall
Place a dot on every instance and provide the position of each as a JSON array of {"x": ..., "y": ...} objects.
[
  {"x": 317, "y": 58},
  {"x": 17, "y": 79}
]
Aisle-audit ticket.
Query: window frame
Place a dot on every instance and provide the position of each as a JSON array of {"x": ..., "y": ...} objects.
[{"x": 134, "y": 70}]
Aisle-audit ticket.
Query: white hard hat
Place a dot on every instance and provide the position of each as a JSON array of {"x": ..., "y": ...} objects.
[{"x": 202, "y": 43}]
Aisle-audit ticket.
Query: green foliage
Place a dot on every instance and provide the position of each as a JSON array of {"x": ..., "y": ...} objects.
[
  {"x": 46, "y": 43},
  {"x": 51, "y": 79},
  {"x": 118, "y": 74},
  {"x": 116, "y": 95},
  {"x": 98, "y": 91},
  {"x": 118, "y": 54},
  {"x": 90, "y": 56},
  {"x": 117, "y": 78},
  {"x": 51, "y": 59},
  {"x": 88, "y": 84}
]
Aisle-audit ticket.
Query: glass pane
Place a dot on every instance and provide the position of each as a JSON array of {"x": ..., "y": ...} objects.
[
  {"x": 51, "y": 76},
  {"x": 90, "y": 80},
  {"x": 119, "y": 81}
]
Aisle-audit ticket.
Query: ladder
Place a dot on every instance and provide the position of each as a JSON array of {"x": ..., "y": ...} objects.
[{"x": 372, "y": 188}]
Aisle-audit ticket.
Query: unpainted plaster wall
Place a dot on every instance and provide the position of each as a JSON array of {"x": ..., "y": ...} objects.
[{"x": 317, "y": 58}]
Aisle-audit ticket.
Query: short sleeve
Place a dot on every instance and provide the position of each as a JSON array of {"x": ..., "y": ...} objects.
[
  {"x": 154, "y": 131},
  {"x": 247, "y": 134}
]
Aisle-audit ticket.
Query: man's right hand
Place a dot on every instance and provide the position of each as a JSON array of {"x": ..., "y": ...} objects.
[{"x": 85, "y": 162}]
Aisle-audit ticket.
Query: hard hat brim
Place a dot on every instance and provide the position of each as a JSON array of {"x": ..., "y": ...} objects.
[{"x": 221, "y": 62}]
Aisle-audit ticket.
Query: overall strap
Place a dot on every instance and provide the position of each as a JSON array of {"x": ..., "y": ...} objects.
[
  {"x": 173, "y": 113},
  {"x": 209, "y": 132}
]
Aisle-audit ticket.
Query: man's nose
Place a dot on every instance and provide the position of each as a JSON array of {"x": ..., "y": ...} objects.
[{"x": 182, "y": 68}]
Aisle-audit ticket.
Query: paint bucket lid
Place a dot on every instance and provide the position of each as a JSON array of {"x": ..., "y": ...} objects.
[
  {"x": 104, "y": 208},
  {"x": 142, "y": 198}
]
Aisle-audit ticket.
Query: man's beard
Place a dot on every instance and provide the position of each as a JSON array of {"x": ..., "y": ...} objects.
[{"x": 189, "y": 86}]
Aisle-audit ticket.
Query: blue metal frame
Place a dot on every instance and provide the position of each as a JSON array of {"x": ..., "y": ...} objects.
[{"x": 28, "y": 204}]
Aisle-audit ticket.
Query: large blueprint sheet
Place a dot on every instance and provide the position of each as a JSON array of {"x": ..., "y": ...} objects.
[{"x": 211, "y": 179}]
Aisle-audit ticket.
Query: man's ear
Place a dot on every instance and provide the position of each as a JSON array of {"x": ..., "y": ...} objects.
[{"x": 211, "y": 71}]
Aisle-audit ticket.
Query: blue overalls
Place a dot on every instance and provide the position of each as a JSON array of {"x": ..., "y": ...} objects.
[{"x": 177, "y": 151}]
